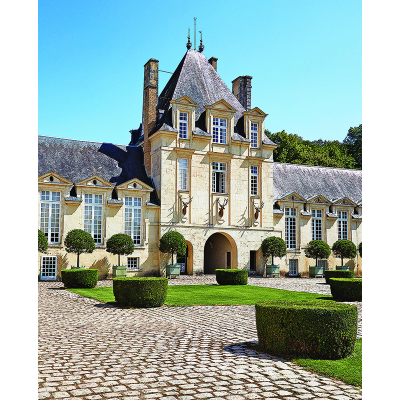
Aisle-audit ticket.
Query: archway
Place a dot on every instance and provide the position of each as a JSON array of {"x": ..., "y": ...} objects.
[{"x": 220, "y": 252}]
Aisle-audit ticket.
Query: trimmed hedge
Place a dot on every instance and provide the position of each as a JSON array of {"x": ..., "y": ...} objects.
[
  {"x": 338, "y": 274},
  {"x": 346, "y": 289},
  {"x": 140, "y": 292},
  {"x": 231, "y": 276},
  {"x": 311, "y": 328},
  {"x": 79, "y": 278}
]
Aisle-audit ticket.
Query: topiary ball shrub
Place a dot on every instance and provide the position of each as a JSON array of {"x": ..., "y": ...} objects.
[
  {"x": 140, "y": 292},
  {"x": 338, "y": 274},
  {"x": 231, "y": 276},
  {"x": 343, "y": 289},
  {"x": 79, "y": 278},
  {"x": 42, "y": 242},
  {"x": 311, "y": 328}
]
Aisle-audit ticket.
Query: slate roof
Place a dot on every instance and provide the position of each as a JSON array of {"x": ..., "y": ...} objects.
[
  {"x": 77, "y": 160},
  {"x": 310, "y": 181},
  {"x": 197, "y": 78}
]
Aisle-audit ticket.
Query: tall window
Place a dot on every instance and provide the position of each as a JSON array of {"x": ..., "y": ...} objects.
[
  {"x": 183, "y": 125},
  {"x": 254, "y": 181},
  {"x": 342, "y": 225},
  {"x": 291, "y": 228},
  {"x": 94, "y": 216},
  {"x": 50, "y": 206},
  {"x": 133, "y": 218},
  {"x": 316, "y": 224},
  {"x": 254, "y": 135},
  {"x": 219, "y": 177},
  {"x": 219, "y": 130},
  {"x": 183, "y": 173}
]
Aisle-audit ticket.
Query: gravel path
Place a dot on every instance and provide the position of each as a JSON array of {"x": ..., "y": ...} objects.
[{"x": 89, "y": 351}]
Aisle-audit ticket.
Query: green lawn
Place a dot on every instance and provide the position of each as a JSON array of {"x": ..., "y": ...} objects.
[
  {"x": 209, "y": 295},
  {"x": 348, "y": 370}
]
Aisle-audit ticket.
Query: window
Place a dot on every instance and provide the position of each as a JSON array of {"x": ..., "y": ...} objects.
[
  {"x": 290, "y": 228},
  {"x": 219, "y": 177},
  {"x": 133, "y": 262},
  {"x": 219, "y": 130},
  {"x": 183, "y": 173},
  {"x": 183, "y": 125},
  {"x": 253, "y": 135},
  {"x": 50, "y": 206},
  {"x": 254, "y": 181},
  {"x": 316, "y": 224},
  {"x": 49, "y": 268},
  {"x": 342, "y": 225},
  {"x": 133, "y": 218},
  {"x": 93, "y": 220},
  {"x": 293, "y": 267}
]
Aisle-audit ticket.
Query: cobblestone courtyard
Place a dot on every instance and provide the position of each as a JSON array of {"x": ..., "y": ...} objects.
[{"x": 88, "y": 350}]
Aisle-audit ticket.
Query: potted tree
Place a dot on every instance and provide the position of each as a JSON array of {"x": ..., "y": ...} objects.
[
  {"x": 78, "y": 241},
  {"x": 42, "y": 242},
  {"x": 120, "y": 244},
  {"x": 344, "y": 249},
  {"x": 360, "y": 249},
  {"x": 275, "y": 247},
  {"x": 317, "y": 249},
  {"x": 173, "y": 243}
]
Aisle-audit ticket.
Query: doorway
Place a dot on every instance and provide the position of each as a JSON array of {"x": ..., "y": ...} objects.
[{"x": 219, "y": 253}]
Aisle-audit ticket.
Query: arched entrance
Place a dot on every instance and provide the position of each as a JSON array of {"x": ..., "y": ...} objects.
[
  {"x": 220, "y": 252},
  {"x": 186, "y": 261}
]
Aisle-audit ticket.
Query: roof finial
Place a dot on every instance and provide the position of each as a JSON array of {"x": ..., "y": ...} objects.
[
  {"x": 188, "y": 44},
  {"x": 194, "y": 32},
  {"x": 201, "y": 47}
]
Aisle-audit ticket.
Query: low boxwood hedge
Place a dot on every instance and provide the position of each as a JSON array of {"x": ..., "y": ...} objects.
[
  {"x": 79, "y": 278},
  {"x": 338, "y": 274},
  {"x": 140, "y": 292},
  {"x": 311, "y": 328},
  {"x": 231, "y": 276},
  {"x": 343, "y": 289}
]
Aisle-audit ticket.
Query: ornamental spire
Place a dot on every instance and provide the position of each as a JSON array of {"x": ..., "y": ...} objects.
[{"x": 188, "y": 44}]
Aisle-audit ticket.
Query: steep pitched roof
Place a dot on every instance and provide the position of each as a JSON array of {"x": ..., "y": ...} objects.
[
  {"x": 196, "y": 78},
  {"x": 310, "y": 181},
  {"x": 77, "y": 160}
]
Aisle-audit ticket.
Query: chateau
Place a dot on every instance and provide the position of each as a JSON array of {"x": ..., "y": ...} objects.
[{"x": 199, "y": 164}]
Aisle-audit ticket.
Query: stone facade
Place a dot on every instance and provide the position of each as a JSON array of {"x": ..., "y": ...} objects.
[{"x": 201, "y": 166}]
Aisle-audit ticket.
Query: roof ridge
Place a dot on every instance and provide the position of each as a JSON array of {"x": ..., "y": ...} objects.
[
  {"x": 80, "y": 140},
  {"x": 317, "y": 166}
]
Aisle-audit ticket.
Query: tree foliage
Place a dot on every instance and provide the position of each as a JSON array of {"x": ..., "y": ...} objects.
[
  {"x": 295, "y": 150},
  {"x": 173, "y": 243},
  {"x": 42, "y": 242},
  {"x": 344, "y": 249},
  {"x": 120, "y": 244},
  {"x": 353, "y": 143},
  {"x": 317, "y": 249},
  {"x": 273, "y": 246},
  {"x": 78, "y": 241}
]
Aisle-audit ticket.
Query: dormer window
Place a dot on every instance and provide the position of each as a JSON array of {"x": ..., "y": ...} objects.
[
  {"x": 254, "y": 135},
  {"x": 183, "y": 125},
  {"x": 219, "y": 130}
]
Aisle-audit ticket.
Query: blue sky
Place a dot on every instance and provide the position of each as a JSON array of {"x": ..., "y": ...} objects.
[{"x": 304, "y": 57}]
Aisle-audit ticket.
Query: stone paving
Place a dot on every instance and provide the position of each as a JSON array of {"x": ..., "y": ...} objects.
[{"x": 89, "y": 351}]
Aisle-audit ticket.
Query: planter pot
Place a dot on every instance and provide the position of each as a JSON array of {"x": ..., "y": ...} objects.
[
  {"x": 315, "y": 272},
  {"x": 78, "y": 268},
  {"x": 173, "y": 270},
  {"x": 272, "y": 270},
  {"x": 340, "y": 268},
  {"x": 119, "y": 271}
]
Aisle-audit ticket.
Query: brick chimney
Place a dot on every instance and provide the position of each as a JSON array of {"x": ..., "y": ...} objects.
[
  {"x": 213, "y": 62},
  {"x": 149, "y": 115},
  {"x": 241, "y": 88}
]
